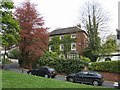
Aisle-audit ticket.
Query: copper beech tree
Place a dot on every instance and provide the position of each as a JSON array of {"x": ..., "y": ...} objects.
[{"x": 34, "y": 37}]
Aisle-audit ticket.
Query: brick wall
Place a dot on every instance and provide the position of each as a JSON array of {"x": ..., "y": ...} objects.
[
  {"x": 110, "y": 76},
  {"x": 81, "y": 41}
]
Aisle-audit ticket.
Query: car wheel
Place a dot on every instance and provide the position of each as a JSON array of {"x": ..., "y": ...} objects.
[
  {"x": 70, "y": 79},
  {"x": 95, "y": 83}
]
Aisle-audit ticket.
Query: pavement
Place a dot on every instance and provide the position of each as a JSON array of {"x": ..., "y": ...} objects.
[{"x": 15, "y": 67}]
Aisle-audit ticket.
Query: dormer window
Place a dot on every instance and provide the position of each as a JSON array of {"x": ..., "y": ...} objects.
[
  {"x": 73, "y": 35},
  {"x": 61, "y": 37}
]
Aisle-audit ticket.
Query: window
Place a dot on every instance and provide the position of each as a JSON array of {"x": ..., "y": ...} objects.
[
  {"x": 73, "y": 35},
  {"x": 50, "y": 48},
  {"x": 61, "y": 47},
  {"x": 61, "y": 37},
  {"x": 73, "y": 46},
  {"x": 91, "y": 74}
]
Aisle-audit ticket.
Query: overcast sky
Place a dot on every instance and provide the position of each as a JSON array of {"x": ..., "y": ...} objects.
[{"x": 65, "y": 13}]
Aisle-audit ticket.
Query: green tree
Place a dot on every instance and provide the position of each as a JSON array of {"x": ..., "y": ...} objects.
[
  {"x": 109, "y": 46},
  {"x": 94, "y": 20},
  {"x": 10, "y": 26}
]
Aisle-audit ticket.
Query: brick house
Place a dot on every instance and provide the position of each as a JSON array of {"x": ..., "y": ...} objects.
[{"x": 68, "y": 42}]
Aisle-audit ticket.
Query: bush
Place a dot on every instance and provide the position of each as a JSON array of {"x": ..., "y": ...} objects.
[
  {"x": 14, "y": 53},
  {"x": 85, "y": 59},
  {"x": 63, "y": 65},
  {"x": 108, "y": 66},
  {"x": 6, "y": 61}
]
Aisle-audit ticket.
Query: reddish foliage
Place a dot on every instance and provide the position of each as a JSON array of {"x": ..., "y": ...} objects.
[{"x": 34, "y": 37}]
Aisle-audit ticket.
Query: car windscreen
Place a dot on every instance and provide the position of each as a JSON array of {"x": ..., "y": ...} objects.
[{"x": 51, "y": 69}]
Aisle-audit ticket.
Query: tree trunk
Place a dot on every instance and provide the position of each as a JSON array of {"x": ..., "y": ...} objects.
[
  {"x": 4, "y": 59},
  {"x": 30, "y": 65}
]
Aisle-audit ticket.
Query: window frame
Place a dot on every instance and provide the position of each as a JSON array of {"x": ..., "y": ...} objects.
[
  {"x": 50, "y": 48},
  {"x": 73, "y": 35},
  {"x": 72, "y": 46},
  {"x": 61, "y": 49},
  {"x": 61, "y": 37}
]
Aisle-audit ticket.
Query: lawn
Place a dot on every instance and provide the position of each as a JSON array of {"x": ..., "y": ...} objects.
[{"x": 18, "y": 80}]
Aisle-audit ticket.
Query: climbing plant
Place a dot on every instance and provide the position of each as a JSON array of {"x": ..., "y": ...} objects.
[{"x": 66, "y": 41}]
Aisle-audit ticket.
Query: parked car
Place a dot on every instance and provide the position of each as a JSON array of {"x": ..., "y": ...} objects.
[
  {"x": 44, "y": 71},
  {"x": 89, "y": 77},
  {"x": 117, "y": 84}
]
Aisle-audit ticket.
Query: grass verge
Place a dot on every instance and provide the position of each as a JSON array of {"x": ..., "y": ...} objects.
[{"x": 18, "y": 80}]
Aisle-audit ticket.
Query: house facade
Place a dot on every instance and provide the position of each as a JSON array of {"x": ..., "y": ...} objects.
[{"x": 68, "y": 42}]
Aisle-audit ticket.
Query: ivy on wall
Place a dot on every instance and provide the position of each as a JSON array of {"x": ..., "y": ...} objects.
[{"x": 66, "y": 41}]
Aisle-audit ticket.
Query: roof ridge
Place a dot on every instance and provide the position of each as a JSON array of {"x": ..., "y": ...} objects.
[{"x": 64, "y": 28}]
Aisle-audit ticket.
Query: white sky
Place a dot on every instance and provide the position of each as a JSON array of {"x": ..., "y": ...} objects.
[{"x": 65, "y": 13}]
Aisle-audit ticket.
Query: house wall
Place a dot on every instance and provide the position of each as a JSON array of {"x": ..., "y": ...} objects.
[{"x": 81, "y": 42}]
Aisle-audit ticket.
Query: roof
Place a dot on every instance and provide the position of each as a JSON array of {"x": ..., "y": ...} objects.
[{"x": 68, "y": 30}]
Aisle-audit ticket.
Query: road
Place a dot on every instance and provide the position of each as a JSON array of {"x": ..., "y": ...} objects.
[
  {"x": 107, "y": 84},
  {"x": 14, "y": 67}
]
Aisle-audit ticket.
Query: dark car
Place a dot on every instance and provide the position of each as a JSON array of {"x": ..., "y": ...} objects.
[
  {"x": 117, "y": 84},
  {"x": 44, "y": 71},
  {"x": 89, "y": 77}
]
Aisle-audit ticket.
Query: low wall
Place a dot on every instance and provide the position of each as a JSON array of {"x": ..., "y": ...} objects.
[{"x": 110, "y": 76}]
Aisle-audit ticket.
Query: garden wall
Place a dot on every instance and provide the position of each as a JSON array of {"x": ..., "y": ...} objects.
[{"x": 110, "y": 76}]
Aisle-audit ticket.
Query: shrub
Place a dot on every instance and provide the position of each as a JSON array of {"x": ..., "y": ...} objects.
[
  {"x": 14, "y": 53},
  {"x": 85, "y": 59},
  {"x": 6, "y": 61},
  {"x": 108, "y": 66},
  {"x": 63, "y": 65}
]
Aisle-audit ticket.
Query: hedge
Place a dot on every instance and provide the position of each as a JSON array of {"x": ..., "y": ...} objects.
[
  {"x": 107, "y": 66},
  {"x": 63, "y": 65}
]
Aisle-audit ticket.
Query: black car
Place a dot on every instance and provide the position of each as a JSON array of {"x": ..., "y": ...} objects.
[
  {"x": 44, "y": 71},
  {"x": 89, "y": 77}
]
